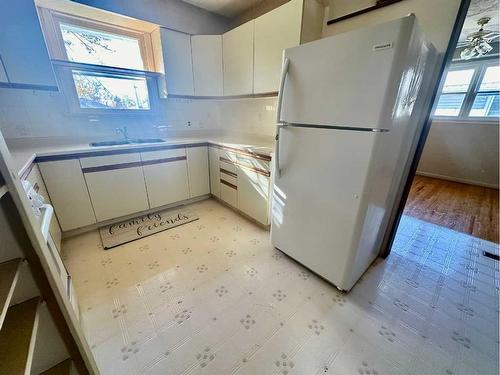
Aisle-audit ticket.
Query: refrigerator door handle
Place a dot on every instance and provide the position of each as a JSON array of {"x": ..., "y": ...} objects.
[
  {"x": 284, "y": 72},
  {"x": 277, "y": 155}
]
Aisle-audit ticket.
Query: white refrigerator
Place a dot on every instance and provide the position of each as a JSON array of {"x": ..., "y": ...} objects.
[{"x": 350, "y": 110}]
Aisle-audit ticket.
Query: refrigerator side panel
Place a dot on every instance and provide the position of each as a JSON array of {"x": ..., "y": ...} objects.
[
  {"x": 316, "y": 199},
  {"x": 393, "y": 151},
  {"x": 347, "y": 80}
]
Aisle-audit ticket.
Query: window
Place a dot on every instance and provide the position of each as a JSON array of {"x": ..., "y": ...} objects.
[
  {"x": 470, "y": 91},
  {"x": 106, "y": 91},
  {"x": 486, "y": 103},
  {"x": 103, "y": 68},
  {"x": 89, "y": 46}
]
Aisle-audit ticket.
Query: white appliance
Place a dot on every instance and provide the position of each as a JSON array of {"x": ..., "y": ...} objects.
[
  {"x": 44, "y": 213},
  {"x": 351, "y": 108}
]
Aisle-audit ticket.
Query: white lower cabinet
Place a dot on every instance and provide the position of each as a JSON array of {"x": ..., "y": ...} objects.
[
  {"x": 166, "y": 176},
  {"x": 253, "y": 194},
  {"x": 116, "y": 185},
  {"x": 66, "y": 186},
  {"x": 197, "y": 163},
  {"x": 213, "y": 156},
  {"x": 229, "y": 193},
  {"x": 98, "y": 188}
]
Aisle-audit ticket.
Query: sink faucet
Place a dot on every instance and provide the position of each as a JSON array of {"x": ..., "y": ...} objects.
[{"x": 124, "y": 132}]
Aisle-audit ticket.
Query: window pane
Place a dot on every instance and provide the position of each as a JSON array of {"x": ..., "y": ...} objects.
[
  {"x": 449, "y": 104},
  {"x": 458, "y": 80},
  {"x": 485, "y": 105},
  {"x": 491, "y": 79},
  {"x": 95, "y": 47},
  {"x": 103, "y": 91}
]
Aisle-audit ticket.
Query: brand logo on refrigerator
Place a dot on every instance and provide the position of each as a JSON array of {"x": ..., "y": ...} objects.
[{"x": 380, "y": 47}]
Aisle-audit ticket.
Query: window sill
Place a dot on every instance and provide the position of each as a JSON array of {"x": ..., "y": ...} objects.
[
  {"x": 467, "y": 120},
  {"x": 105, "y": 68}
]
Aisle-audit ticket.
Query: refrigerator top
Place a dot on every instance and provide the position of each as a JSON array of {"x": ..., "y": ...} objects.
[{"x": 350, "y": 80}]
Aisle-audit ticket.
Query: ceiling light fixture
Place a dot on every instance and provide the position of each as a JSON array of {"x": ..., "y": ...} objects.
[{"x": 478, "y": 42}]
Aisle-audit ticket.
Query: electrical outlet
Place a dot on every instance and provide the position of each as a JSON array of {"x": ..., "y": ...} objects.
[{"x": 189, "y": 124}]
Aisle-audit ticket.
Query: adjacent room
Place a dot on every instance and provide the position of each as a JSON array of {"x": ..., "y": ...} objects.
[
  {"x": 457, "y": 178},
  {"x": 285, "y": 187}
]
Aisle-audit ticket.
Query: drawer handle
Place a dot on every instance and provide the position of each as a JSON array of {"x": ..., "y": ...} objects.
[
  {"x": 232, "y": 174},
  {"x": 229, "y": 184}
]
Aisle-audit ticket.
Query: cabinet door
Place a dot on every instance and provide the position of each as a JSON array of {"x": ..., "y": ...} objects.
[
  {"x": 213, "y": 156},
  {"x": 237, "y": 47},
  {"x": 165, "y": 173},
  {"x": 197, "y": 162},
  {"x": 178, "y": 63},
  {"x": 253, "y": 194},
  {"x": 207, "y": 64},
  {"x": 22, "y": 46},
  {"x": 116, "y": 185},
  {"x": 274, "y": 32},
  {"x": 68, "y": 192}
]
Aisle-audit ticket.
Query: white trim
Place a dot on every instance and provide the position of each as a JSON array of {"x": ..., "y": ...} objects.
[{"x": 457, "y": 179}]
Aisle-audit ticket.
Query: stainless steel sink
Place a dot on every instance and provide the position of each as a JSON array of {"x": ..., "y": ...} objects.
[{"x": 126, "y": 142}]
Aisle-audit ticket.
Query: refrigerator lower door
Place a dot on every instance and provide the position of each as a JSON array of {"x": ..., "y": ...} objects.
[{"x": 317, "y": 197}]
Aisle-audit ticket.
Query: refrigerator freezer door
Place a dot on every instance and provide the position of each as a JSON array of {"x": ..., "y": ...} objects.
[
  {"x": 317, "y": 198},
  {"x": 347, "y": 80}
]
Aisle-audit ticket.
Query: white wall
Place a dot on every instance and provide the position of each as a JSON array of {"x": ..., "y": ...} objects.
[
  {"x": 173, "y": 14},
  {"x": 462, "y": 151},
  {"x": 436, "y": 18},
  {"x": 32, "y": 114}
]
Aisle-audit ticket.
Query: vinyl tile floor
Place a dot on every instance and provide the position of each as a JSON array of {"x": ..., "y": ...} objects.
[{"x": 214, "y": 297}]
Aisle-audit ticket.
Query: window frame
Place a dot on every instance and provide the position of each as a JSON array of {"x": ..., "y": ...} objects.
[
  {"x": 65, "y": 72},
  {"x": 143, "y": 38},
  {"x": 479, "y": 67},
  {"x": 51, "y": 20}
]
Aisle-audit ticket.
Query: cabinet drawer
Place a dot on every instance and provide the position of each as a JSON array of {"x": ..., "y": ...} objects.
[
  {"x": 163, "y": 154},
  {"x": 109, "y": 160},
  {"x": 229, "y": 193},
  {"x": 228, "y": 167},
  {"x": 254, "y": 163},
  {"x": 231, "y": 178}
]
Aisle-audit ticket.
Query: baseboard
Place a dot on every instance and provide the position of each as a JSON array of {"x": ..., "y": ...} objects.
[
  {"x": 88, "y": 228},
  {"x": 455, "y": 179},
  {"x": 248, "y": 217}
]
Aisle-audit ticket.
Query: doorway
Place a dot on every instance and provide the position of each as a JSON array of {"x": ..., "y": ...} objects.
[{"x": 456, "y": 182}]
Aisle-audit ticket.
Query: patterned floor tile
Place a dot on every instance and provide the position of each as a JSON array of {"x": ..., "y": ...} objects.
[{"x": 214, "y": 297}]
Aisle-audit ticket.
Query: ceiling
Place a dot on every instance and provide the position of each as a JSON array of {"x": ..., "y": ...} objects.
[
  {"x": 226, "y": 8},
  {"x": 478, "y": 9}
]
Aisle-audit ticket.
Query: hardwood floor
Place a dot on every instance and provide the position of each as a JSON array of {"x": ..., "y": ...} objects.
[{"x": 465, "y": 208}]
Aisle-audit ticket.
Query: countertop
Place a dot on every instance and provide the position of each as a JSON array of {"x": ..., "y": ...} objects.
[{"x": 24, "y": 156}]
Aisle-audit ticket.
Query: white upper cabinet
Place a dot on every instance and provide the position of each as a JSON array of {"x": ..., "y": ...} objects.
[
  {"x": 207, "y": 64},
  {"x": 237, "y": 47},
  {"x": 22, "y": 47},
  {"x": 176, "y": 49},
  {"x": 274, "y": 32}
]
